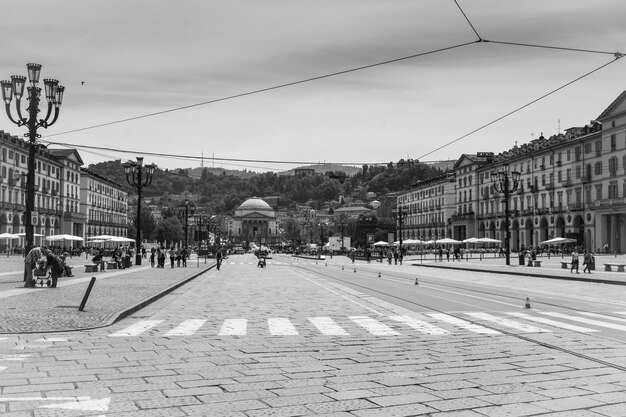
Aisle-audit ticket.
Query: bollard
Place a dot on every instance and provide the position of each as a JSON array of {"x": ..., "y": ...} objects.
[
  {"x": 416, "y": 282},
  {"x": 527, "y": 305},
  {"x": 355, "y": 270},
  {"x": 82, "y": 304},
  {"x": 379, "y": 275},
  {"x": 342, "y": 267}
]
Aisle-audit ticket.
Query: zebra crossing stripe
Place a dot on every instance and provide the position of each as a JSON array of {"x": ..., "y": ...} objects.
[
  {"x": 419, "y": 325},
  {"x": 553, "y": 323},
  {"x": 186, "y": 328},
  {"x": 137, "y": 328},
  {"x": 234, "y": 327},
  {"x": 328, "y": 326},
  {"x": 508, "y": 323},
  {"x": 280, "y": 326},
  {"x": 602, "y": 316},
  {"x": 374, "y": 326},
  {"x": 585, "y": 320},
  {"x": 466, "y": 325}
]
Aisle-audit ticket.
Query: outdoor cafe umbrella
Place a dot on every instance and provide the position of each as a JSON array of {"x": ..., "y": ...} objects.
[
  {"x": 8, "y": 236},
  {"x": 121, "y": 239},
  {"x": 64, "y": 237},
  {"x": 558, "y": 241},
  {"x": 489, "y": 240},
  {"x": 447, "y": 240},
  {"x": 381, "y": 243}
]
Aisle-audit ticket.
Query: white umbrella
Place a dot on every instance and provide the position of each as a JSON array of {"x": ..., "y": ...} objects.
[
  {"x": 8, "y": 236},
  {"x": 101, "y": 237},
  {"x": 447, "y": 240},
  {"x": 24, "y": 234},
  {"x": 63, "y": 237},
  {"x": 411, "y": 241},
  {"x": 381, "y": 243},
  {"x": 489, "y": 240},
  {"x": 121, "y": 239},
  {"x": 472, "y": 240},
  {"x": 558, "y": 241}
]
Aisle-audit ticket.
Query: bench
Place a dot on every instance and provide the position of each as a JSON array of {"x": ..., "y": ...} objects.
[
  {"x": 537, "y": 263},
  {"x": 91, "y": 268},
  {"x": 111, "y": 265},
  {"x": 564, "y": 265},
  {"x": 620, "y": 267}
]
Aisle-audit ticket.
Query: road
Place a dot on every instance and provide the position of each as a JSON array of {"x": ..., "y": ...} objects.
[{"x": 306, "y": 337}]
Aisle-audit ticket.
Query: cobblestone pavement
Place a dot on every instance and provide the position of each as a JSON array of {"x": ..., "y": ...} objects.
[
  {"x": 159, "y": 372},
  {"x": 115, "y": 292}
]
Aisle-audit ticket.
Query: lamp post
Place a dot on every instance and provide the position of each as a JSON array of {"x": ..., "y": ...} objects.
[
  {"x": 54, "y": 95},
  {"x": 135, "y": 176},
  {"x": 342, "y": 225},
  {"x": 503, "y": 184},
  {"x": 400, "y": 215},
  {"x": 186, "y": 211}
]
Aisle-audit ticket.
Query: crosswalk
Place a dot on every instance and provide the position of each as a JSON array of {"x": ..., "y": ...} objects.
[{"x": 433, "y": 324}]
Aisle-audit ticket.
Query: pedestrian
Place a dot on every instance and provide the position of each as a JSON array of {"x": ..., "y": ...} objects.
[
  {"x": 395, "y": 257},
  {"x": 30, "y": 263},
  {"x": 184, "y": 255},
  {"x": 161, "y": 258},
  {"x": 587, "y": 262},
  {"x": 56, "y": 270},
  {"x": 448, "y": 254},
  {"x": 152, "y": 256},
  {"x": 574, "y": 261},
  {"x": 143, "y": 251},
  {"x": 172, "y": 254},
  {"x": 440, "y": 254},
  {"x": 178, "y": 258},
  {"x": 218, "y": 258},
  {"x": 389, "y": 256},
  {"x": 99, "y": 259},
  {"x": 400, "y": 256}
]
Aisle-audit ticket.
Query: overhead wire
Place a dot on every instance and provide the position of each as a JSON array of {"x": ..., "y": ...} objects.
[
  {"x": 480, "y": 39},
  {"x": 519, "y": 108}
]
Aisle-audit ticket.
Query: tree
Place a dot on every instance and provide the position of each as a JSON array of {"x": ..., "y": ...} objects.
[{"x": 169, "y": 229}]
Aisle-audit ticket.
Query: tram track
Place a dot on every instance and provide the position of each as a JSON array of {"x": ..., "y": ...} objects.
[{"x": 374, "y": 290}]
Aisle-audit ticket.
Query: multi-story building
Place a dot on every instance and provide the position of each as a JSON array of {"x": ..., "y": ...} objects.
[
  {"x": 46, "y": 216},
  {"x": 104, "y": 204},
  {"x": 72, "y": 220},
  {"x": 62, "y": 202},
  {"x": 430, "y": 205},
  {"x": 570, "y": 185}
]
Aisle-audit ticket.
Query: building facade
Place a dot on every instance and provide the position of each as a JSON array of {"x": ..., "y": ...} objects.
[
  {"x": 570, "y": 185},
  {"x": 104, "y": 204},
  {"x": 63, "y": 200},
  {"x": 254, "y": 221}
]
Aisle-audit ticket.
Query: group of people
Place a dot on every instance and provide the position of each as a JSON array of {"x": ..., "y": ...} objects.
[
  {"x": 41, "y": 259},
  {"x": 589, "y": 261},
  {"x": 178, "y": 256}
]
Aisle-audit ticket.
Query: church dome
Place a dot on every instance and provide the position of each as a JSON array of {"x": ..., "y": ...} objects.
[{"x": 254, "y": 203}]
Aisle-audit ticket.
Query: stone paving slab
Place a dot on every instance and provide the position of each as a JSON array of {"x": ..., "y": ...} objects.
[{"x": 114, "y": 294}]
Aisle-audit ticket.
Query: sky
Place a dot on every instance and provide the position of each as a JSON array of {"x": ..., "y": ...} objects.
[{"x": 198, "y": 77}]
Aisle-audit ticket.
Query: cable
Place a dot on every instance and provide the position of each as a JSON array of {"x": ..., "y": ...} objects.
[
  {"x": 263, "y": 90},
  {"x": 529, "y": 45},
  {"x": 519, "y": 108},
  {"x": 468, "y": 21}
]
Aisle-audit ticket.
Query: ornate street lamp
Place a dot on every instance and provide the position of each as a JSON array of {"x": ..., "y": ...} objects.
[
  {"x": 184, "y": 210},
  {"x": 503, "y": 184},
  {"x": 400, "y": 215},
  {"x": 54, "y": 95},
  {"x": 137, "y": 178}
]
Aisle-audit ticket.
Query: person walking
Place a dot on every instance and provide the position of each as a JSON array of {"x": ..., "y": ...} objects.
[
  {"x": 183, "y": 255},
  {"x": 395, "y": 257},
  {"x": 172, "y": 254},
  {"x": 218, "y": 258},
  {"x": 587, "y": 262},
  {"x": 574, "y": 261}
]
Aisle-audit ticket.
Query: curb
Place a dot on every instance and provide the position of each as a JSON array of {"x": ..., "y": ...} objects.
[
  {"x": 529, "y": 274},
  {"x": 119, "y": 315}
]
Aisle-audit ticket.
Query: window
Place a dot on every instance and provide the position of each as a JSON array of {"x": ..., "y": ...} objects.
[
  {"x": 613, "y": 142},
  {"x": 578, "y": 169},
  {"x": 613, "y": 189},
  {"x": 598, "y": 168},
  {"x": 587, "y": 148},
  {"x": 577, "y": 152},
  {"x": 598, "y": 147},
  {"x": 613, "y": 166},
  {"x": 599, "y": 192}
]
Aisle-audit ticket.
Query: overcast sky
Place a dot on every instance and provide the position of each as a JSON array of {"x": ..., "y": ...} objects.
[{"x": 147, "y": 56}]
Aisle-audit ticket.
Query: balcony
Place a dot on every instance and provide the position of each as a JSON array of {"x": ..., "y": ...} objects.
[
  {"x": 549, "y": 185},
  {"x": 462, "y": 217},
  {"x": 54, "y": 192},
  {"x": 45, "y": 190},
  {"x": 575, "y": 206},
  {"x": 567, "y": 182},
  {"x": 528, "y": 212},
  {"x": 541, "y": 211},
  {"x": 557, "y": 209}
]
